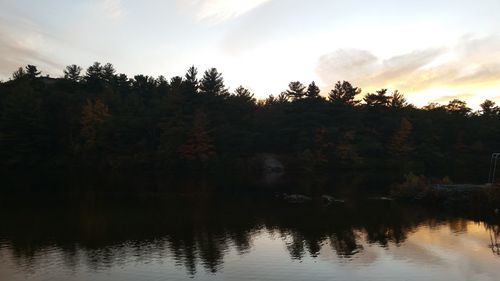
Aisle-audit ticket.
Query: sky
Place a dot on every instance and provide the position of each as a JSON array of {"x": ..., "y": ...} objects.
[{"x": 431, "y": 50}]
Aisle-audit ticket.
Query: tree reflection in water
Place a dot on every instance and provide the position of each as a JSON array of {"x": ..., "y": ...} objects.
[
  {"x": 494, "y": 232},
  {"x": 200, "y": 231}
]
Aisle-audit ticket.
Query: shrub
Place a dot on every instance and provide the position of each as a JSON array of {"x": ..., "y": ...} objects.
[{"x": 411, "y": 187}]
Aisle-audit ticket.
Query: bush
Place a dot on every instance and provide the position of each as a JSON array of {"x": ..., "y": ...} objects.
[{"x": 411, "y": 187}]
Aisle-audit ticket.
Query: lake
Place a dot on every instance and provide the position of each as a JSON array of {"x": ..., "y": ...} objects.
[{"x": 209, "y": 236}]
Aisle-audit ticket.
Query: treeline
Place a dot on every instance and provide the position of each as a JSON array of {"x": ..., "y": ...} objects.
[{"x": 102, "y": 119}]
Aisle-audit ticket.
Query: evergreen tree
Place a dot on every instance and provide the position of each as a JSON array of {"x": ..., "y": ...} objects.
[
  {"x": 122, "y": 82},
  {"x": 380, "y": 98},
  {"x": 489, "y": 108},
  {"x": 296, "y": 91},
  {"x": 191, "y": 80},
  {"x": 458, "y": 107},
  {"x": 433, "y": 106},
  {"x": 397, "y": 100},
  {"x": 156, "y": 122},
  {"x": 32, "y": 71},
  {"x": 244, "y": 94},
  {"x": 72, "y": 73},
  {"x": 108, "y": 73},
  {"x": 19, "y": 74},
  {"x": 282, "y": 98},
  {"x": 94, "y": 73},
  {"x": 212, "y": 83},
  {"x": 312, "y": 91},
  {"x": 162, "y": 84},
  {"x": 344, "y": 93}
]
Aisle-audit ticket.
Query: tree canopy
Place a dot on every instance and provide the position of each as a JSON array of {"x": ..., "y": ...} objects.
[{"x": 101, "y": 118}]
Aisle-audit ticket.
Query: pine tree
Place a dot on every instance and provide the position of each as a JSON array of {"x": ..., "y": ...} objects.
[
  {"x": 72, "y": 73},
  {"x": 32, "y": 71},
  {"x": 296, "y": 91},
  {"x": 19, "y": 74},
  {"x": 108, "y": 73},
  {"x": 379, "y": 98},
  {"x": 312, "y": 91},
  {"x": 489, "y": 108},
  {"x": 191, "y": 80},
  {"x": 344, "y": 93},
  {"x": 397, "y": 100},
  {"x": 458, "y": 107},
  {"x": 212, "y": 83},
  {"x": 94, "y": 73},
  {"x": 244, "y": 94}
]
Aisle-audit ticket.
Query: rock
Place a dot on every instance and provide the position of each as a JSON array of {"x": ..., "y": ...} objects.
[
  {"x": 381, "y": 198},
  {"x": 296, "y": 198},
  {"x": 273, "y": 169},
  {"x": 327, "y": 199}
]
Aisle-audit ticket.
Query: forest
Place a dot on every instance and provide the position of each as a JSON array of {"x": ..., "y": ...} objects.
[{"x": 100, "y": 119}]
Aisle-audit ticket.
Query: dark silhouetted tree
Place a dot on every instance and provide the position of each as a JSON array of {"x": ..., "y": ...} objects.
[
  {"x": 212, "y": 83},
  {"x": 489, "y": 108},
  {"x": 458, "y": 107},
  {"x": 244, "y": 94},
  {"x": 94, "y": 76},
  {"x": 108, "y": 73},
  {"x": 380, "y": 98},
  {"x": 296, "y": 91},
  {"x": 19, "y": 74},
  {"x": 160, "y": 123},
  {"x": 344, "y": 94},
  {"x": 397, "y": 100},
  {"x": 191, "y": 80},
  {"x": 73, "y": 73},
  {"x": 312, "y": 91},
  {"x": 32, "y": 71},
  {"x": 433, "y": 106},
  {"x": 162, "y": 83},
  {"x": 176, "y": 82},
  {"x": 122, "y": 82}
]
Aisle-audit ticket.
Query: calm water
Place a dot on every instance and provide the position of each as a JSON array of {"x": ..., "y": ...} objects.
[{"x": 207, "y": 237}]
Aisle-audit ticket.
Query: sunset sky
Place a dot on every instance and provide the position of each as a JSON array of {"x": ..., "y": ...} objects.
[{"x": 431, "y": 50}]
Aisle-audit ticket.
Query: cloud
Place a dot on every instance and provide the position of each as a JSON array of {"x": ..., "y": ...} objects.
[
  {"x": 446, "y": 99},
  {"x": 216, "y": 11},
  {"x": 472, "y": 62},
  {"x": 113, "y": 9},
  {"x": 22, "y": 45},
  {"x": 365, "y": 69},
  {"x": 405, "y": 65},
  {"x": 346, "y": 64}
]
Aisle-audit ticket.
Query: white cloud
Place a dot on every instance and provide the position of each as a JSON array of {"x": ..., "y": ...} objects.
[
  {"x": 113, "y": 9},
  {"x": 23, "y": 42},
  {"x": 471, "y": 65},
  {"x": 217, "y": 11}
]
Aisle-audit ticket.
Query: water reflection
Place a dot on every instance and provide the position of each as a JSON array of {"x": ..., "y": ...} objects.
[
  {"x": 494, "y": 232},
  {"x": 214, "y": 233}
]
